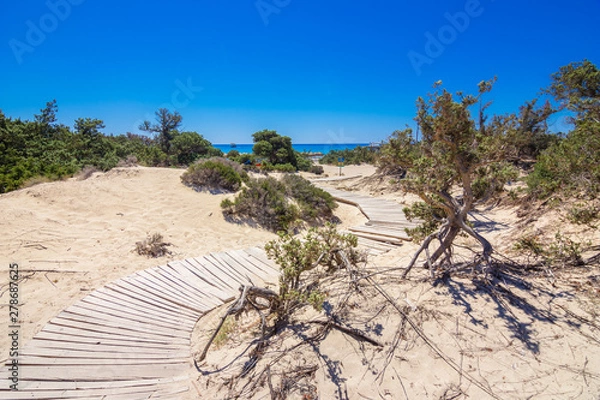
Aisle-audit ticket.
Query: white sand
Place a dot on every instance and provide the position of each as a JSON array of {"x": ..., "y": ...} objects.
[{"x": 85, "y": 232}]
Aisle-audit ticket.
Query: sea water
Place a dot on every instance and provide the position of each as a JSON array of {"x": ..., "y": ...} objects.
[{"x": 323, "y": 148}]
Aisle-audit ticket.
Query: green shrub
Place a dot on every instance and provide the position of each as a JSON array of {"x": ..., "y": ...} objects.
[
  {"x": 560, "y": 252},
  {"x": 233, "y": 155},
  {"x": 315, "y": 204},
  {"x": 215, "y": 174},
  {"x": 356, "y": 156},
  {"x": 324, "y": 247},
  {"x": 317, "y": 170},
  {"x": 583, "y": 214},
  {"x": 279, "y": 205},
  {"x": 289, "y": 168},
  {"x": 304, "y": 164},
  {"x": 263, "y": 201}
]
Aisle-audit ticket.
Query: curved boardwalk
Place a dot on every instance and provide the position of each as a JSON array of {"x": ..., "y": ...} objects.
[
  {"x": 131, "y": 338},
  {"x": 387, "y": 222}
]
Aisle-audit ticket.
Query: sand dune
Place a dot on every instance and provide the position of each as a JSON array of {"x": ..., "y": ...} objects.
[{"x": 80, "y": 235}]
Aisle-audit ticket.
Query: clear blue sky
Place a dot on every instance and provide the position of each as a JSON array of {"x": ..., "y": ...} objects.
[{"x": 318, "y": 71}]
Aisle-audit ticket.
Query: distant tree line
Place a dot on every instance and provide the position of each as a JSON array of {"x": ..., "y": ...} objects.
[{"x": 47, "y": 149}]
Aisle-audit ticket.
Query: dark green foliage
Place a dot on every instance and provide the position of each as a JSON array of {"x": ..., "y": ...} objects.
[
  {"x": 215, "y": 174},
  {"x": 304, "y": 164},
  {"x": 429, "y": 216},
  {"x": 572, "y": 165},
  {"x": 396, "y": 156},
  {"x": 47, "y": 150},
  {"x": 270, "y": 203},
  {"x": 356, "y": 156},
  {"x": 315, "y": 203},
  {"x": 233, "y": 154},
  {"x": 317, "y": 170},
  {"x": 288, "y": 168},
  {"x": 263, "y": 201},
  {"x": 274, "y": 148}
]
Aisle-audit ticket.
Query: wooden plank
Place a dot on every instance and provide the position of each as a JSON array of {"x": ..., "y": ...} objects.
[
  {"x": 105, "y": 311},
  {"x": 124, "y": 372},
  {"x": 253, "y": 263},
  {"x": 247, "y": 264},
  {"x": 203, "y": 270},
  {"x": 147, "y": 354},
  {"x": 121, "y": 323},
  {"x": 242, "y": 275},
  {"x": 61, "y": 360},
  {"x": 136, "y": 306},
  {"x": 77, "y": 329},
  {"x": 232, "y": 275},
  {"x": 175, "y": 297},
  {"x": 191, "y": 273},
  {"x": 179, "y": 284},
  {"x": 379, "y": 238},
  {"x": 379, "y": 232},
  {"x": 127, "y": 289},
  {"x": 170, "y": 300},
  {"x": 260, "y": 255},
  {"x": 88, "y": 328},
  {"x": 132, "y": 393},
  {"x": 37, "y": 385},
  {"x": 52, "y": 341}
]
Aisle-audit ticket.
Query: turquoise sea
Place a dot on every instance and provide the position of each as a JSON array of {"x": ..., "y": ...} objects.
[{"x": 301, "y": 147}]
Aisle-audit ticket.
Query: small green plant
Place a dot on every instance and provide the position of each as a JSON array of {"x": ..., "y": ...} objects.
[
  {"x": 562, "y": 251},
  {"x": 324, "y": 247},
  {"x": 583, "y": 214},
  {"x": 153, "y": 246},
  {"x": 224, "y": 333},
  {"x": 215, "y": 174}
]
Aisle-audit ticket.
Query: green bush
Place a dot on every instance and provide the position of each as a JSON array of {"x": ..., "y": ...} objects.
[
  {"x": 317, "y": 170},
  {"x": 289, "y": 168},
  {"x": 280, "y": 205},
  {"x": 356, "y": 156},
  {"x": 296, "y": 257},
  {"x": 263, "y": 201},
  {"x": 215, "y": 174},
  {"x": 315, "y": 204}
]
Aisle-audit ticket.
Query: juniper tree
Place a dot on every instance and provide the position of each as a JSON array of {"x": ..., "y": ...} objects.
[{"x": 457, "y": 162}]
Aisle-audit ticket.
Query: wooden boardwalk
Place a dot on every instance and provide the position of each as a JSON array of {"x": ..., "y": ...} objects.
[
  {"x": 131, "y": 339},
  {"x": 385, "y": 228}
]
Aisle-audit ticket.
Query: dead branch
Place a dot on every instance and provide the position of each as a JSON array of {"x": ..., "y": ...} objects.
[
  {"x": 248, "y": 294},
  {"x": 355, "y": 333}
]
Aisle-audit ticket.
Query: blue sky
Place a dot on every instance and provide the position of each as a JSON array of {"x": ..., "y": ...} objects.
[{"x": 318, "y": 71}]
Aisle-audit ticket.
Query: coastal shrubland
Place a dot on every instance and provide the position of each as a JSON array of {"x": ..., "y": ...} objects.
[{"x": 44, "y": 150}]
